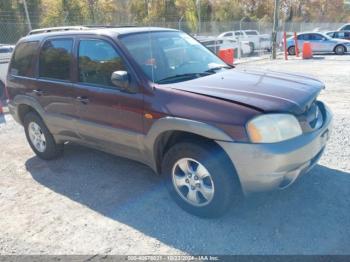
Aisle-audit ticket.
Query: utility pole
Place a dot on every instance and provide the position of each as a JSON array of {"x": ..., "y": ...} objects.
[
  {"x": 198, "y": 3},
  {"x": 27, "y": 15},
  {"x": 275, "y": 27}
]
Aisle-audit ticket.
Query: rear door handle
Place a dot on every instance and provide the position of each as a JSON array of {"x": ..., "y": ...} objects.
[
  {"x": 38, "y": 92},
  {"x": 82, "y": 99}
]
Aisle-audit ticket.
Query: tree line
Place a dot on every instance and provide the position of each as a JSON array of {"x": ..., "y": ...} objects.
[{"x": 44, "y": 13}]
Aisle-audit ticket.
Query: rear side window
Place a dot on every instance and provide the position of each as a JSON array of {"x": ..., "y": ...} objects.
[
  {"x": 97, "y": 61},
  {"x": 54, "y": 59},
  {"x": 22, "y": 59},
  {"x": 228, "y": 34},
  {"x": 251, "y": 32}
]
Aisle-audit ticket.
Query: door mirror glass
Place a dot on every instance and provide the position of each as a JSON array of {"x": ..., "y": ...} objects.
[{"x": 120, "y": 79}]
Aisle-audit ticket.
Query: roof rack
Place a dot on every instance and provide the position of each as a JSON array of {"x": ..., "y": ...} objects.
[
  {"x": 69, "y": 28},
  {"x": 109, "y": 26},
  {"x": 56, "y": 29}
]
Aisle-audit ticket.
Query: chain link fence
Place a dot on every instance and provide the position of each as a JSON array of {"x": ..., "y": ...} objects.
[{"x": 254, "y": 42}]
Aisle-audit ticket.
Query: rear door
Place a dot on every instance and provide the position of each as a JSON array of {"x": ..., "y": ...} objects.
[
  {"x": 109, "y": 116},
  {"x": 54, "y": 89}
]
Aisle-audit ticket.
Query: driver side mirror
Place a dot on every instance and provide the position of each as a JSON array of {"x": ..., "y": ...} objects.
[{"x": 120, "y": 79}]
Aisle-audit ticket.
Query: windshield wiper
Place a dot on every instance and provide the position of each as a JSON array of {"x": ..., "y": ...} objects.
[
  {"x": 186, "y": 76},
  {"x": 214, "y": 69}
]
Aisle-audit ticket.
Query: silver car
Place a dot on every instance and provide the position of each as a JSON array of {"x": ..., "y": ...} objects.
[{"x": 320, "y": 43}]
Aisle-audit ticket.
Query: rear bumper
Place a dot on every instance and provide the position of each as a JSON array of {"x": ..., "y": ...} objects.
[{"x": 264, "y": 167}]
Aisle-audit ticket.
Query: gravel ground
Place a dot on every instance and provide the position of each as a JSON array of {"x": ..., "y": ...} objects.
[{"x": 90, "y": 202}]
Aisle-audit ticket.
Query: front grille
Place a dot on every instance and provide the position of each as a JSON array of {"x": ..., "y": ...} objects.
[{"x": 312, "y": 119}]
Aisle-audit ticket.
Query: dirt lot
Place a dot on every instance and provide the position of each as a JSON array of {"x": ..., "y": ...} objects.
[{"x": 90, "y": 202}]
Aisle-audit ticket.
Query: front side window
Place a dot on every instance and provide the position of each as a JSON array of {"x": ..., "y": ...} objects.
[
  {"x": 55, "y": 59},
  {"x": 22, "y": 59},
  {"x": 97, "y": 61},
  {"x": 167, "y": 57}
]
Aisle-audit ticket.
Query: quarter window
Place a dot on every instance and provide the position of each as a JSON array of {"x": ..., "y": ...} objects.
[
  {"x": 55, "y": 57},
  {"x": 97, "y": 61},
  {"x": 22, "y": 59}
]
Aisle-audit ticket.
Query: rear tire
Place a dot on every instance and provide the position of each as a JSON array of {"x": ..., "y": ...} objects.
[
  {"x": 39, "y": 137},
  {"x": 209, "y": 172},
  {"x": 291, "y": 50},
  {"x": 340, "y": 50}
]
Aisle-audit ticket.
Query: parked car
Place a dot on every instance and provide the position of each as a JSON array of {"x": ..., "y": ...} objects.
[
  {"x": 158, "y": 96},
  {"x": 345, "y": 27},
  {"x": 6, "y": 52},
  {"x": 339, "y": 34},
  {"x": 216, "y": 43},
  {"x": 255, "y": 39},
  {"x": 320, "y": 43}
]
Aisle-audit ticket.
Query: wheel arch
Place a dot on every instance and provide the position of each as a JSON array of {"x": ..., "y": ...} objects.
[
  {"x": 167, "y": 131},
  {"x": 25, "y": 104},
  {"x": 335, "y": 48}
]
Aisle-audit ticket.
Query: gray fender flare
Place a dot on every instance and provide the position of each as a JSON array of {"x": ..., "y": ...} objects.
[
  {"x": 178, "y": 124},
  {"x": 29, "y": 101}
]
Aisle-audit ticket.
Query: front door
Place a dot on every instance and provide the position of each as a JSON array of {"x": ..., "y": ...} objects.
[
  {"x": 110, "y": 117},
  {"x": 319, "y": 43}
]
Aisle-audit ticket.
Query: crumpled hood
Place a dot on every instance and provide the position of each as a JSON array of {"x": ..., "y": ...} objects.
[{"x": 268, "y": 91}]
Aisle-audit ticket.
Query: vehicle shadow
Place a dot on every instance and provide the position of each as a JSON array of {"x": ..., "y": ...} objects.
[{"x": 311, "y": 217}]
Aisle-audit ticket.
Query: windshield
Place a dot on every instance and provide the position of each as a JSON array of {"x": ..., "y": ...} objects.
[{"x": 167, "y": 57}]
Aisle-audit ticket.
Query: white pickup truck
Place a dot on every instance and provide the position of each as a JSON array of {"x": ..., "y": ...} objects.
[
  {"x": 6, "y": 52},
  {"x": 256, "y": 40},
  {"x": 216, "y": 43}
]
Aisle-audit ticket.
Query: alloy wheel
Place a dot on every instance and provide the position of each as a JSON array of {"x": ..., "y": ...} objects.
[
  {"x": 193, "y": 182},
  {"x": 37, "y": 137}
]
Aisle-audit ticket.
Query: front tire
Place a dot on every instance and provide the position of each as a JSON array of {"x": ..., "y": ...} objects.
[
  {"x": 291, "y": 50},
  {"x": 200, "y": 179},
  {"x": 39, "y": 137},
  {"x": 340, "y": 50}
]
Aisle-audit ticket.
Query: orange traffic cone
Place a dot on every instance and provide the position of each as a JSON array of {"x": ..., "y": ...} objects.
[
  {"x": 307, "y": 50},
  {"x": 227, "y": 55}
]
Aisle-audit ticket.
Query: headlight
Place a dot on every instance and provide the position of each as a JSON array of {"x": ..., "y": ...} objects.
[{"x": 272, "y": 128}]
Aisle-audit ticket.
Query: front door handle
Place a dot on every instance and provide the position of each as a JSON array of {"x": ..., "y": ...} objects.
[
  {"x": 38, "y": 92},
  {"x": 82, "y": 99}
]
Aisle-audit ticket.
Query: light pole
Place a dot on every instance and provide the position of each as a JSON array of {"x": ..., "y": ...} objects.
[
  {"x": 27, "y": 14},
  {"x": 198, "y": 3},
  {"x": 275, "y": 27},
  {"x": 180, "y": 21}
]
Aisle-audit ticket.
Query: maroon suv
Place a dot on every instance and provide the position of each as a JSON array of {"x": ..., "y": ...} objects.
[{"x": 158, "y": 96}]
